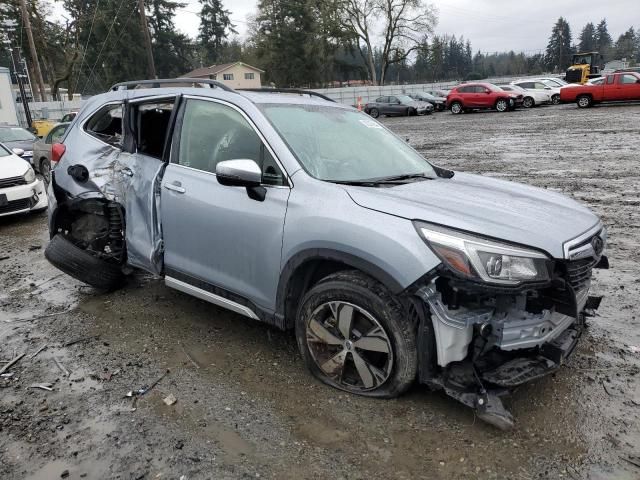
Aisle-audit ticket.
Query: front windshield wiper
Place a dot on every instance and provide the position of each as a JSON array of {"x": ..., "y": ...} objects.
[{"x": 391, "y": 180}]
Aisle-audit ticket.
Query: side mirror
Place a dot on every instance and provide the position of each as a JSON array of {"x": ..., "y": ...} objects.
[
  {"x": 18, "y": 151},
  {"x": 487, "y": 91},
  {"x": 239, "y": 173}
]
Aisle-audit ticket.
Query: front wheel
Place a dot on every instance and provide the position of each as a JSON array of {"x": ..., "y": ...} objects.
[
  {"x": 555, "y": 99},
  {"x": 355, "y": 336},
  {"x": 456, "y": 108},
  {"x": 374, "y": 113},
  {"x": 584, "y": 101},
  {"x": 528, "y": 102},
  {"x": 502, "y": 105}
]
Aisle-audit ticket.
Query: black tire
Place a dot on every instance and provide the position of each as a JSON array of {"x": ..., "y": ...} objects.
[
  {"x": 82, "y": 265},
  {"x": 374, "y": 112},
  {"x": 555, "y": 99},
  {"x": 410, "y": 112},
  {"x": 45, "y": 170},
  {"x": 584, "y": 101},
  {"x": 528, "y": 102},
  {"x": 359, "y": 290},
  {"x": 456, "y": 108},
  {"x": 502, "y": 105}
]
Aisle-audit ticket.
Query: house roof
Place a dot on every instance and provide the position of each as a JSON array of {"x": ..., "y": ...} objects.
[{"x": 215, "y": 69}]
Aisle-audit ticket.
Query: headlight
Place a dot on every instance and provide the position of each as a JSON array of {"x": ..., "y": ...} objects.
[
  {"x": 30, "y": 176},
  {"x": 485, "y": 260}
]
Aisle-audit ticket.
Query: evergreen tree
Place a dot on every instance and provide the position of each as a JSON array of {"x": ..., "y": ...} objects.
[
  {"x": 603, "y": 39},
  {"x": 173, "y": 52},
  {"x": 559, "y": 49},
  {"x": 587, "y": 38},
  {"x": 215, "y": 27},
  {"x": 626, "y": 45}
]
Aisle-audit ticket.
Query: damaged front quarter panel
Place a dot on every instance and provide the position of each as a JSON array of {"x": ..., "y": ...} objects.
[{"x": 490, "y": 340}]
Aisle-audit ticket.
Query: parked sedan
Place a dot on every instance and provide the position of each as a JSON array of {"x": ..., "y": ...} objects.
[
  {"x": 439, "y": 103},
  {"x": 42, "y": 150},
  {"x": 402, "y": 105},
  {"x": 19, "y": 139},
  {"x": 20, "y": 190}
]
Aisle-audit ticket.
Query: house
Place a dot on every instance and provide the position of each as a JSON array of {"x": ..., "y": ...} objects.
[
  {"x": 235, "y": 75},
  {"x": 8, "y": 110}
]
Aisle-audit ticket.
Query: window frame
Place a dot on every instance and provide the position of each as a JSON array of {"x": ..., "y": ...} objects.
[
  {"x": 225, "y": 75},
  {"x": 624, "y": 75},
  {"x": 134, "y": 102},
  {"x": 83, "y": 126},
  {"x": 177, "y": 131},
  {"x": 249, "y": 75}
]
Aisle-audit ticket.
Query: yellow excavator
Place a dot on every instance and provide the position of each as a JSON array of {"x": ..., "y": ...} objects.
[{"x": 583, "y": 67}]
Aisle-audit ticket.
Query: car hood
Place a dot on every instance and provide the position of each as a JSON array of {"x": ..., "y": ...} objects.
[
  {"x": 26, "y": 145},
  {"x": 13, "y": 166},
  {"x": 505, "y": 210}
]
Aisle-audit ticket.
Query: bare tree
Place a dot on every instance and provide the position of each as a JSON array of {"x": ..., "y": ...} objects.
[{"x": 405, "y": 24}]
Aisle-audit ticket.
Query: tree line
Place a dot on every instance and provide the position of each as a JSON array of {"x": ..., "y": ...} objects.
[{"x": 299, "y": 43}]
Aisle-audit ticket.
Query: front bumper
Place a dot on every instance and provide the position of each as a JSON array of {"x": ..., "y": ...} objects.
[{"x": 23, "y": 198}]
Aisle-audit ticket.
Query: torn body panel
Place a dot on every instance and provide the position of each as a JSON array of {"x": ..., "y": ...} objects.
[{"x": 130, "y": 180}]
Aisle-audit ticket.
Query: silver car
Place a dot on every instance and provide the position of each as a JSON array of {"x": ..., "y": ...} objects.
[{"x": 306, "y": 214}]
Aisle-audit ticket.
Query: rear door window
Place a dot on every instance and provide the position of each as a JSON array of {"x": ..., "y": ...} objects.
[
  {"x": 151, "y": 125},
  {"x": 106, "y": 125}
]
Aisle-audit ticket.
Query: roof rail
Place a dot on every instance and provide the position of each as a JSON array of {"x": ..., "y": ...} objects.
[
  {"x": 299, "y": 91},
  {"x": 160, "y": 82}
]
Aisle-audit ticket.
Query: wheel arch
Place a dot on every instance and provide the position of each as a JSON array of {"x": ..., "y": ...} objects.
[{"x": 307, "y": 267}]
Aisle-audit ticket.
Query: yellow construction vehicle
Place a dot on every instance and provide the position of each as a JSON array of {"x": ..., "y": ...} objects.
[{"x": 583, "y": 67}]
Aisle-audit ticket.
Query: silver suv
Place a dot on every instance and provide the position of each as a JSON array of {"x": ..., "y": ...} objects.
[{"x": 309, "y": 215}]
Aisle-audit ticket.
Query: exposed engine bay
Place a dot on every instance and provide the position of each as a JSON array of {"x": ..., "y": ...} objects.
[{"x": 489, "y": 340}]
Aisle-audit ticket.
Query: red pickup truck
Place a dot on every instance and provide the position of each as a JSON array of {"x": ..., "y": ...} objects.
[{"x": 617, "y": 87}]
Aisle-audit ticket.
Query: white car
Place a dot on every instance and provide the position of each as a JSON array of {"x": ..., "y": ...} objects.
[
  {"x": 553, "y": 82},
  {"x": 20, "y": 190},
  {"x": 530, "y": 98},
  {"x": 538, "y": 84}
]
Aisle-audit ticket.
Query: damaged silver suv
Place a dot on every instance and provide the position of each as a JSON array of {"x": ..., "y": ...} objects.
[{"x": 308, "y": 215}]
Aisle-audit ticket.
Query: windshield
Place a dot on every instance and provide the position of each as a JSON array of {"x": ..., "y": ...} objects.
[
  {"x": 340, "y": 145},
  {"x": 428, "y": 96},
  {"x": 15, "y": 134},
  {"x": 555, "y": 83},
  {"x": 404, "y": 98},
  {"x": 4, "y": 152}
]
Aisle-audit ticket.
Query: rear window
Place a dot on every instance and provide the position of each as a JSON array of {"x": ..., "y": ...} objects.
[{"x": 15, "y": 134}]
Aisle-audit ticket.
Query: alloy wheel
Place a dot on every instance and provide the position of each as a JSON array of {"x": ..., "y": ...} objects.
[
  {"x": 527, "y": 102},
  {"x": 45, "y": 171},
  {"x": 501, "y": 106},
  {"x": 555, "y": 99},
  {"x": 456, "y": 108},
  {"x": 349, "y": 346}
]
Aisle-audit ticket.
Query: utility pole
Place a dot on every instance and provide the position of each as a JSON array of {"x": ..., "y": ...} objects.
[
  {"x": 15, "y": 59},
  {"x": 147, "y": 39},
  {"x": 32, "y": 47}
]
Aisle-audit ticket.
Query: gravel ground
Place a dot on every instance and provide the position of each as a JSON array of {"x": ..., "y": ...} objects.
[{"x": 246, "y": 407}]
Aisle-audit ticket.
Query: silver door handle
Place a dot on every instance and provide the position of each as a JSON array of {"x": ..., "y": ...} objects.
[{"x": 174, "y": 188}]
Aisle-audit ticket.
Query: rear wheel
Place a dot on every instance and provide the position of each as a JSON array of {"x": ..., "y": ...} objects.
[
  {"x": 502, "y": 105},
  {"x": 374, "y": 113},
  {"x": 584, "y": 101},
  {"x": 528, "y": 102},
  {"x": 555, "y": 99},
  {"x": 45, "y": 170},
  {"x": 456, "y": 108},
  {"x": 355, "y": 336}
]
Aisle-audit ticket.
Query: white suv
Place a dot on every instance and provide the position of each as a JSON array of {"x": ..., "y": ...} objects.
[{"x": 20, "y": 190}]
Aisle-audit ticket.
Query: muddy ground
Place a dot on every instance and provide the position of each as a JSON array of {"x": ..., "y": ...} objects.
[{"x": 246, "y": 407}]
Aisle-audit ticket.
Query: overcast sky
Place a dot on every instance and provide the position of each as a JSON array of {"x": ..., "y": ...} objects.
[{"x": 491, "y": 25}]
